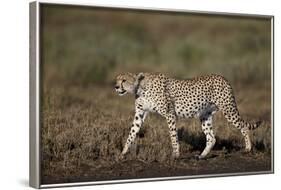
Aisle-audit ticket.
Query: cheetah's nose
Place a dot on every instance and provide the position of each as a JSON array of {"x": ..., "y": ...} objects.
[{"x": 116, "y": 87}]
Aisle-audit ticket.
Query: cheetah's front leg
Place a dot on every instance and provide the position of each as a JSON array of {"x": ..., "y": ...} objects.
[{"x": 137, "y": 123}]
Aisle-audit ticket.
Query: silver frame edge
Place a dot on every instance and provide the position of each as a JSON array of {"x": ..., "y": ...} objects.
[
  {"x": 272, "y": 93},
  {"x": 146, "y": 8},
  {"x": 139, "y": 180},
  {"x": 34, "y": 98}
]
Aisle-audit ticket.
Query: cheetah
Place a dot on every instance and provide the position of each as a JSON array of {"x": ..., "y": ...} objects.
[{"x": 199, "y": 97}]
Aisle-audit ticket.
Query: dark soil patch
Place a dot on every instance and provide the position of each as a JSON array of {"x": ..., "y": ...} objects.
[{"x": 219, "y": 162}]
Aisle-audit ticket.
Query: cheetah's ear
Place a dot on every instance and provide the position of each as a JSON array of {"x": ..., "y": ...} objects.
[
  {"x": 138, "y": 79},
  {"x": 140, "y": 76}
]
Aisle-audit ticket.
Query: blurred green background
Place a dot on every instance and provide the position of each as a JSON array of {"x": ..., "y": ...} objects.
[{"x": 88, "y": 46}]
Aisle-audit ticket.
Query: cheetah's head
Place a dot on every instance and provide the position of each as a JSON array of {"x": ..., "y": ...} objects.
[{"x": 127, "y": 82}]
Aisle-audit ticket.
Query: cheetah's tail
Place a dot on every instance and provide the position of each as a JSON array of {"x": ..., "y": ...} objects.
[
  {"x": 251, "y": 126},
  {"x": 238, "y": 122}
]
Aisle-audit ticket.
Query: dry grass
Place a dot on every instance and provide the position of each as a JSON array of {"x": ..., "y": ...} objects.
[{"x": 90, "y": 125}]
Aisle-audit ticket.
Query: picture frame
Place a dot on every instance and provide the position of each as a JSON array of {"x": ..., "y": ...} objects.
[{"x": 38, "y": 57}]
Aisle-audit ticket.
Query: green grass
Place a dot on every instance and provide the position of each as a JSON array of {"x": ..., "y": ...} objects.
[{"x": 86, "y": 47}]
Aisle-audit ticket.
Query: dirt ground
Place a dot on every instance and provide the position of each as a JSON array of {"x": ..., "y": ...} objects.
[{"x": 218, "y": 162}]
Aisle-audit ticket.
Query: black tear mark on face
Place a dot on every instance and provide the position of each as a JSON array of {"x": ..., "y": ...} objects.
[{"x": 123, "y": 92}]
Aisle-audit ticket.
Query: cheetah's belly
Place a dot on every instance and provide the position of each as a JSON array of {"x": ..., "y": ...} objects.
[
  {"x": 194, "y": 110},
  {"x": 190, "y": 107}
]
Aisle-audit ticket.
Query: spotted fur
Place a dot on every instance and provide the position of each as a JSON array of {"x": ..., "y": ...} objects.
[{"x": 199, "y": 97}]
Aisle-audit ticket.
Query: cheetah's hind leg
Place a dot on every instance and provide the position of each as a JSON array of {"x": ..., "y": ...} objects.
[
  {"x": 207, "y": 127},
  {"x": 171, "y": 120},
  {"x": 248, "y": 144}
]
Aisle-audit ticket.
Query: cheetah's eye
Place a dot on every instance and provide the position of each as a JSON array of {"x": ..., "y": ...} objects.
[{"x": 124, "y": 80}]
